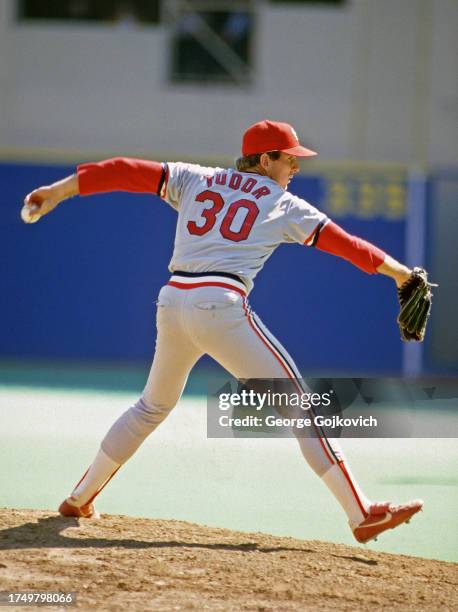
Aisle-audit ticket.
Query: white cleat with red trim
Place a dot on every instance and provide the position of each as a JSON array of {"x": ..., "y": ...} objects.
[
  {"x": 383, "y": 516},
  {"x": 86, "y": 511}
]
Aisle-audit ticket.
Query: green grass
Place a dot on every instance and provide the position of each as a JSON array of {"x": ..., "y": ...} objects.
[{"x": 49, "y": 436}]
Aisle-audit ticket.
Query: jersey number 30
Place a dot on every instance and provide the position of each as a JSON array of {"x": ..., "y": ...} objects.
[{"x": 210, "y": 214}]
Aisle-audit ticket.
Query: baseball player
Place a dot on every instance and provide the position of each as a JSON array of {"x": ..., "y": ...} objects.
[{"x": 229, "y": 222}]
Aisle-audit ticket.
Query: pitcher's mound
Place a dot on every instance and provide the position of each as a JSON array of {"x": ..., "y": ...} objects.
[{"x": 131, "y": 564}]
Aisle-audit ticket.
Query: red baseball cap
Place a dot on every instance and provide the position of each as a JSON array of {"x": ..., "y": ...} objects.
[{"x": 268, "y": 135}]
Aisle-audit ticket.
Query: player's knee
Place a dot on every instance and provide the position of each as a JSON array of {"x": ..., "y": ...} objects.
[
  {"x": 132, "y": 427},
  {"x": 149, "y": 412}
]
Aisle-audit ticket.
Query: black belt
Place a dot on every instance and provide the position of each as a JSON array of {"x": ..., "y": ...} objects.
[{"x": 197, "y": 274}]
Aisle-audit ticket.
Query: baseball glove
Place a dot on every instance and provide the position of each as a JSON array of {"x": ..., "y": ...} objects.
[{"x": 415, "y": 302}]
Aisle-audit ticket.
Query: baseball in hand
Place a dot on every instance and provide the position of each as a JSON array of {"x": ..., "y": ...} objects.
[{"x": 29, "y": 214}]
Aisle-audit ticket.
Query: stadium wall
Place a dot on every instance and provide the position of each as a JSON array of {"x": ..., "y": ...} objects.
[
  {"x": 82, "y": 283},
  {"x": 367, "y": 80}
]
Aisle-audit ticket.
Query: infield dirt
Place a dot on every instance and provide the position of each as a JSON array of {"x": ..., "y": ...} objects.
[{"x": 134, "y": 564}]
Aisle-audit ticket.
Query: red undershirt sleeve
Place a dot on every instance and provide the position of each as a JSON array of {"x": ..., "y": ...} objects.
[
  {"x": 333, "y": 239},
  {"x": 121, "y": 174}
]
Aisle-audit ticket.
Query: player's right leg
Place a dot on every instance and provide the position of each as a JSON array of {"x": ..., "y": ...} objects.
[{"x": 174, "y": 358}]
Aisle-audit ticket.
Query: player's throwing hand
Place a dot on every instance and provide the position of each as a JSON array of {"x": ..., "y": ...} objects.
[{"x": 43, "y": 200}]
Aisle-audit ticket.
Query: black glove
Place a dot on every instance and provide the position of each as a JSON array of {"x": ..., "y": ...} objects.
[{"x": 415, "y": 302}]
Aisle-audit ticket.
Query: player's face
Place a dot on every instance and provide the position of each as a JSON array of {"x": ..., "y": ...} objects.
[{"x": 283, "y": 169}]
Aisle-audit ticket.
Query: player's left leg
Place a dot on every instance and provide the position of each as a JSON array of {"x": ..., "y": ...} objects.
[
  {"x": 245, "y": 347},
  {"x": 236, "y": 338}
]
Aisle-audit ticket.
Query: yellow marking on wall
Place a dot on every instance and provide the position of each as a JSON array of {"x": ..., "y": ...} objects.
[{"x": 367, "y": 195}]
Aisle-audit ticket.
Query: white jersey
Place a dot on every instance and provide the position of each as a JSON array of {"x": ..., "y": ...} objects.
[{"x": 230, "y": 221}]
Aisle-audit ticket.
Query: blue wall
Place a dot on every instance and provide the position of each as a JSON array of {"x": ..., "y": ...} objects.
[{"x": 82, "y": 283}]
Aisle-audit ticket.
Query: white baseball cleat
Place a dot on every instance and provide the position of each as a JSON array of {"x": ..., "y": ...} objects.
[
  {"x": 383, "y": 516},
  {"x": 86, "y": 511}
]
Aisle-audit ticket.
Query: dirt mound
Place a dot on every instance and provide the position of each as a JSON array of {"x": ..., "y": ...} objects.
[{"x": 130, "y": 564}]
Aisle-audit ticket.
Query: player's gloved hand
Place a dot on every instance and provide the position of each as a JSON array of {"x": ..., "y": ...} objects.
[{"x": 415, "y": 305}]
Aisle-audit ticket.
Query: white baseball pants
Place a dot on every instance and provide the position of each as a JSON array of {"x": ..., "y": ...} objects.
[{"x": 211, "y": 314}]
